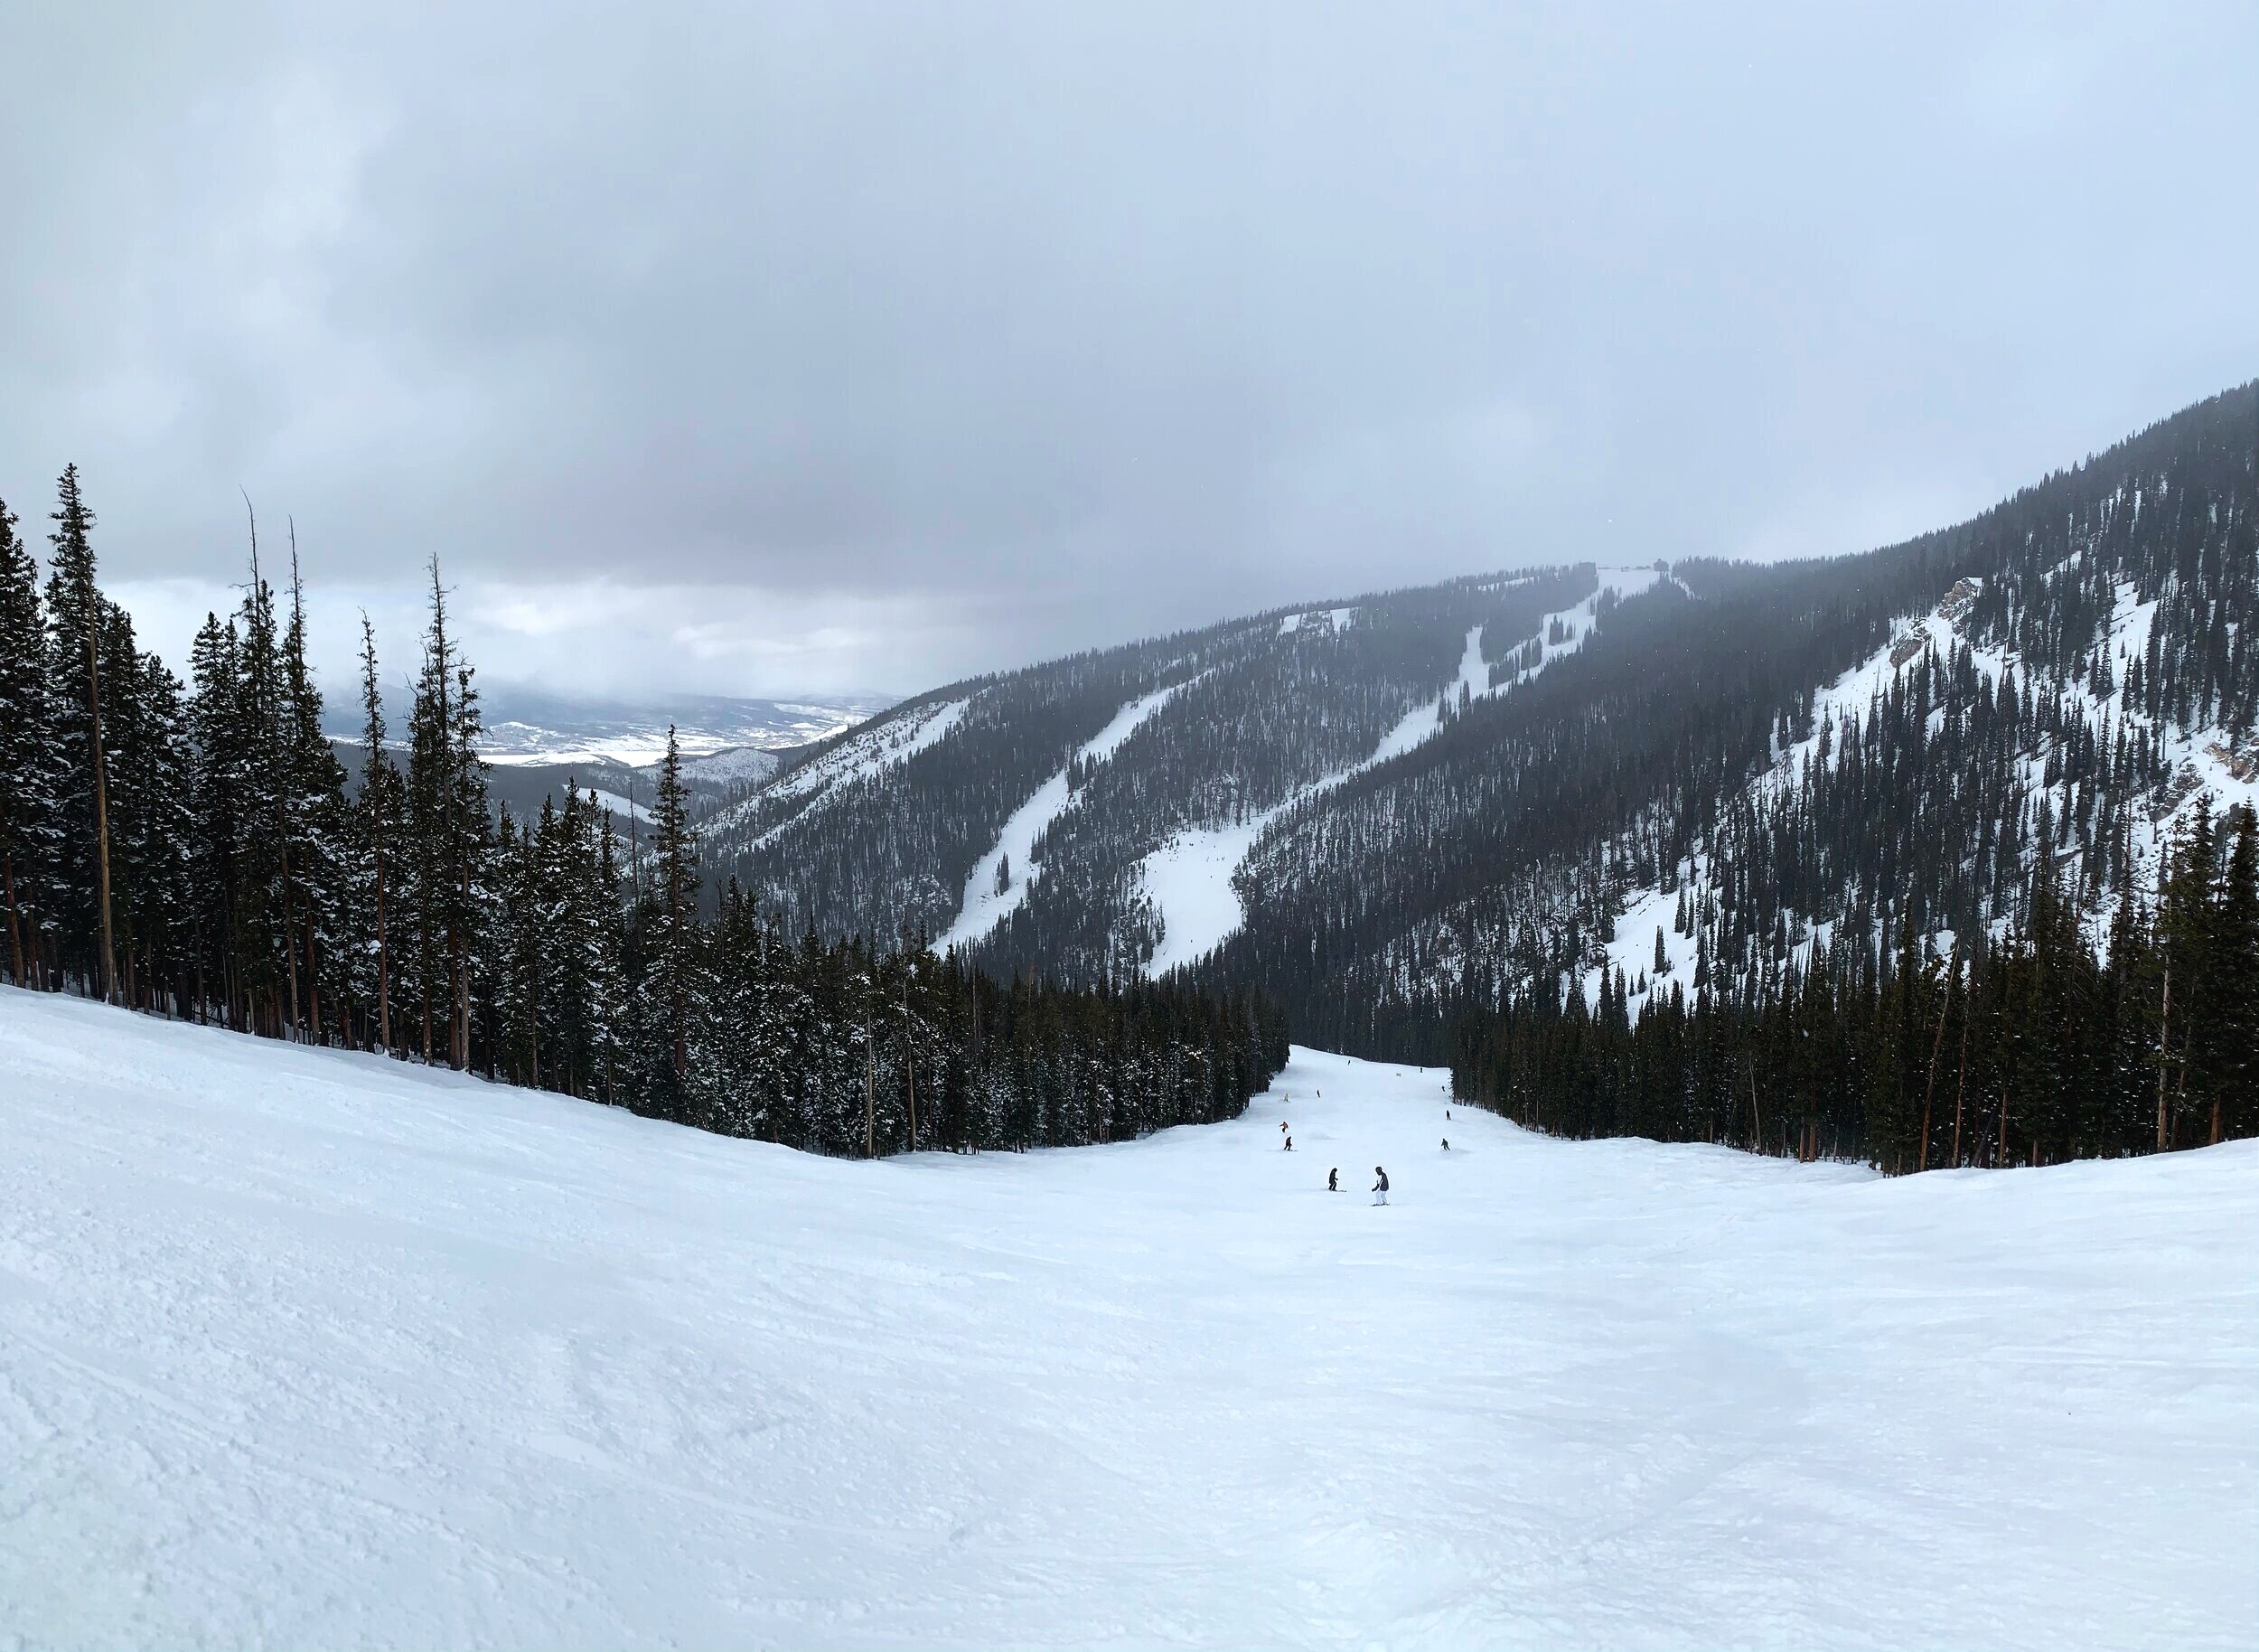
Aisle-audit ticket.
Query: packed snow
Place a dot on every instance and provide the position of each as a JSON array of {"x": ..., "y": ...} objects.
[{"x": 304, "y": 1349}]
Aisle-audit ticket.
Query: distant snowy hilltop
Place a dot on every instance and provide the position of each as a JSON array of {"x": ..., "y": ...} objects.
[
  {"x": 528, "y": 726},
  {"x": 1385, "y": 806},
  {"x": 731, "y": 738}
]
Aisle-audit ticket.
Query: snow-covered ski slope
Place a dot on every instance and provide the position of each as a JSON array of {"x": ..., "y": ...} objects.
[
  {"x": 1188, "y": 879},
  {"x": 985, "y": 906},
  {"x": 300, "y": 1348}
]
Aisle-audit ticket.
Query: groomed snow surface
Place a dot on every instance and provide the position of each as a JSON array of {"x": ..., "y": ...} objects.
[{"x": 300, "y": 1348}]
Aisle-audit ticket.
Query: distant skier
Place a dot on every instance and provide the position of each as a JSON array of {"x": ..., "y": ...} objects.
[
  {"x": 1380, "y": 1186},
  {"x": 1447, "y": 1144},
  {"x": 1332, "y": 1179},
  {"x": 1289, "y": 1144}
]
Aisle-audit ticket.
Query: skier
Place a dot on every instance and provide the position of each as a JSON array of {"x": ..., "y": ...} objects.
[
  {"x": 1332, "y": 1179},
  {"x": 1289, "y": 1144},
  {"x": 1447, "y": 1144},
  {"x": 1380, "y": 1186}
]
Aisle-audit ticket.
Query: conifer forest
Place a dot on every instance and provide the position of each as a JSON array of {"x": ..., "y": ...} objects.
[
  {"x": 1940, "y": 856},
  {"x": 199, "y": 851}
]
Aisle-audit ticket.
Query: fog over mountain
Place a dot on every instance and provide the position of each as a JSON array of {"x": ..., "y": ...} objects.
[{"x": 787, "y": 351}]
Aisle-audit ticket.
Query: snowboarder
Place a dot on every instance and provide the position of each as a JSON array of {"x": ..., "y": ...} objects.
[
  {"x": 1332, "y": 1179},
  {"x": 1289, "y": 1144},
  {"x": 1380, "y": 1186}
]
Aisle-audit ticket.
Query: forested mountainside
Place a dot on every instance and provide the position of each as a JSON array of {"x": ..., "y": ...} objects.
[
  {"x": 197, "y": 852},
  {"x": 1617, "y": 841},
  {"x": 1033, "y": 819},
  {"x": 1837, "y": 743},
  {"x": 1990, "y": 896},
  {"x": 1405, "y": 813}
]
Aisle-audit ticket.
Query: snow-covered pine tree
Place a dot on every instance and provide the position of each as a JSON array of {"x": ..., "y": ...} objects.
[
  {"x": 314, "y": 818},
  {"x": 376, "y": 835},
  {"x": 218, "y": 777},
  {"x": 28, "y": 777},
  {"x": 80, "y": 888}
]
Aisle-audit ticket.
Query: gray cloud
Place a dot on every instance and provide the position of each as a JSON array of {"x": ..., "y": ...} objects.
[{"x": 764, "y": 349}]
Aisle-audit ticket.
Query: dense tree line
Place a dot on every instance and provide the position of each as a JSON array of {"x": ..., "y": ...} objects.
[
  {"x": 200, "y": 850},
  {"x": 1254, "y": 710},
  {"x": 2090, "y": 665},
  {"x": 1244, "y": 736},
  {"x": 2044, "y": 1044}
]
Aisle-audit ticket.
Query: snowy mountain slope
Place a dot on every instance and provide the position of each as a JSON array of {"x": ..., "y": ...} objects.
[
  {"x": 304, "y": 1349},
  {"x": 988, "y": 903},
  {"x": 732, "y": 766},
  {"x": 2088, "y": 681},
  {"x": 1091, "y": 778},
  {"x": 1190, "y": 880},
  {"x": 2203, "y": 762},
  {"x": 527, "y": 725},
  {"x": 861, "y": 755}
]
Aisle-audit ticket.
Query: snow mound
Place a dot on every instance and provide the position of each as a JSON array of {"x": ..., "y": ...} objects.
[{"x": 303, "y": 1348}]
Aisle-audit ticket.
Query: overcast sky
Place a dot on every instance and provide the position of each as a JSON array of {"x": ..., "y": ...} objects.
[{"x": 756, "y": 350}]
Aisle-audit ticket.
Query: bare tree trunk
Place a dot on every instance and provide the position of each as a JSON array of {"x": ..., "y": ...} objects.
[
  {"x": 15, "y": 930},
  {"x": 384, "y": 970},
  {"x": 2164, "y": 1033},
  {"x": 314, "y": 981},
  {"x": 910, "y": 1060},
  {"x": 290, "y": 943},
  {"x": 1961, "y": 1085},
  {"x": 1929, "y": 1091}
]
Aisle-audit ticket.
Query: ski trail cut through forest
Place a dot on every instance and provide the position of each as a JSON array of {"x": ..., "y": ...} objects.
[{"x": 1188, "y": 879}]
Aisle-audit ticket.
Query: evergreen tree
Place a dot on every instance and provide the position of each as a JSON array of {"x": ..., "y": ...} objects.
[
  {"x": 81, "y": 889},
  {"x": 28, "y": 780}
]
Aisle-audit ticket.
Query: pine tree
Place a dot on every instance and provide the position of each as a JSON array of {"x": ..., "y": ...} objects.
[
  {"x": 447, "y": 823},
  {"x": 28, "y": 802},
  {"x": 2235, "y": 1094},
  {"x": 377, "y": 819},
  {"x": 217, "y": 782},
  {"x": 674, "y": 852},
  {"x": 314, "y": 818},
  {"x": 74, "y": 611}
]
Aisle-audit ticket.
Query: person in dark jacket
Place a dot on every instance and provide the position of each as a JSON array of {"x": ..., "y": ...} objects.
[
  {"x": 1332, "y": 1179},
  {"x": 1380, "y": 1186}
]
